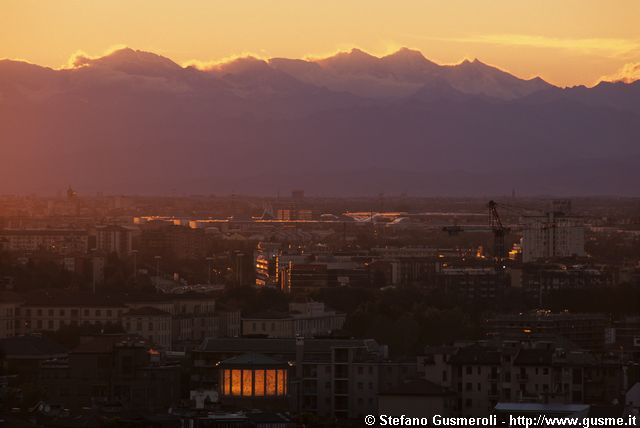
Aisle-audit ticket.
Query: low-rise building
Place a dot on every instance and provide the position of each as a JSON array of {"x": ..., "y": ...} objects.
[
  {"x": 112, "y": 369},
  {"x": 153, "y": 324},
  {"x": 306, "y": 319},
  {"x": 191, "y": 315},
  {"x": 9, "y": 304},
  {"x": 483, "y": 374}
]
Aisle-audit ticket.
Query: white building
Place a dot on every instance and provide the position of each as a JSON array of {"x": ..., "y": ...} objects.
[{"x": 556, "y": 233}]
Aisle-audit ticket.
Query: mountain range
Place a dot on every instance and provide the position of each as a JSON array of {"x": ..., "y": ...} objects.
[{"x": 351, "y": 124}]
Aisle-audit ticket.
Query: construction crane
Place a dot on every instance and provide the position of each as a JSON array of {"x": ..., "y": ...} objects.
[{"x": 495, "y": 226}]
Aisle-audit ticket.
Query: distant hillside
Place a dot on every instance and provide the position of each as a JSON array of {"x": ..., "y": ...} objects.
[{"x": 353, "y": 123}]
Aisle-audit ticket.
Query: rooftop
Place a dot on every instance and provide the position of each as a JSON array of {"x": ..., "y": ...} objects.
[
  {"x": 419, "y": 387},
  {"x": 252, "y": 359},
  {"x": 281, "y": 346}
]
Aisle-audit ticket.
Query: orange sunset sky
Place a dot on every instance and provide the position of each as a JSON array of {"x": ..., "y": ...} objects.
[{"x": 566, "y": 42}]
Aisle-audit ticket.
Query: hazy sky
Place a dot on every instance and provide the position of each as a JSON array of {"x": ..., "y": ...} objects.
[{"x": 566, "y": 42}]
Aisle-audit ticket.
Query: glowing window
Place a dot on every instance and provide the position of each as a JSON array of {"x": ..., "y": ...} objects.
[
  {"x": 258, "y": 379},
  {"x": 282, "y": 379},
  {"x": 271, "y": 382},
  {"x": 235, "y": 382},
  {"x": 247, "y": 383},
  {"x": 226, "y": 384}
]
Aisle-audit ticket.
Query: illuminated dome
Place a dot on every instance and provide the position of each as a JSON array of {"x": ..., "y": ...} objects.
[{"x": 253, "y": 376}]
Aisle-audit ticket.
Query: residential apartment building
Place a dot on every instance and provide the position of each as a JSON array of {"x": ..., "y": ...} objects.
[
  {"x": 153, "y": 324},
  {"x": 306, "y": 319},
  {"x": 114, "y": 239},
  {"x": 555, "y": 233},
  {"x": 179, "y": 322},
  {"x": 586, "y": 331},
  {"x": 112, "y": 369},
  {"x": 57, "y": 241},
  {"x": 483, "y": 374},
  {"x": 9, "y": 304}
]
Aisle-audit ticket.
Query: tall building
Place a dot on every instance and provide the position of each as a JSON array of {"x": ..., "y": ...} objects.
[
  {"x": 556, "y": 233},
  {"x": 114, "y": 239}
]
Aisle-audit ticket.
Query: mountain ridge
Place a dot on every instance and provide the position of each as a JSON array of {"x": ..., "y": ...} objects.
[{"x": 135, "y": 121}]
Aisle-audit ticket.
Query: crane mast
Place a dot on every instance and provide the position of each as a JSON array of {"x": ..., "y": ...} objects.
[{"x": 495, "y": 226}]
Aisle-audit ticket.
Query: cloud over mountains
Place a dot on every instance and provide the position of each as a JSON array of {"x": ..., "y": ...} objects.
[{"x": 133, "y": 121}]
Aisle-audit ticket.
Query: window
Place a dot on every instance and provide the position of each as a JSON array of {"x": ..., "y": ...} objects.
[
  {"x": 467, "y": 386},
  {"x": 469, "y": 368}
]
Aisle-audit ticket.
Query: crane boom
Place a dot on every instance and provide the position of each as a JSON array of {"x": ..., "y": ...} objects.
[{"x": 495, "y": 226}]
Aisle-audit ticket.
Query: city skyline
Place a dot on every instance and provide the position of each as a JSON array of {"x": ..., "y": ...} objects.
[{"x": 303, "y": 214}]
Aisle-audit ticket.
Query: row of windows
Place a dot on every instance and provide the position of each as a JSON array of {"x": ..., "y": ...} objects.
[
  {"x": 254, "y": 383},
  {"x": 28, "y": 312},
  {"x": 150, "y": 326},
  {"x": 54, "y": 324}
]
